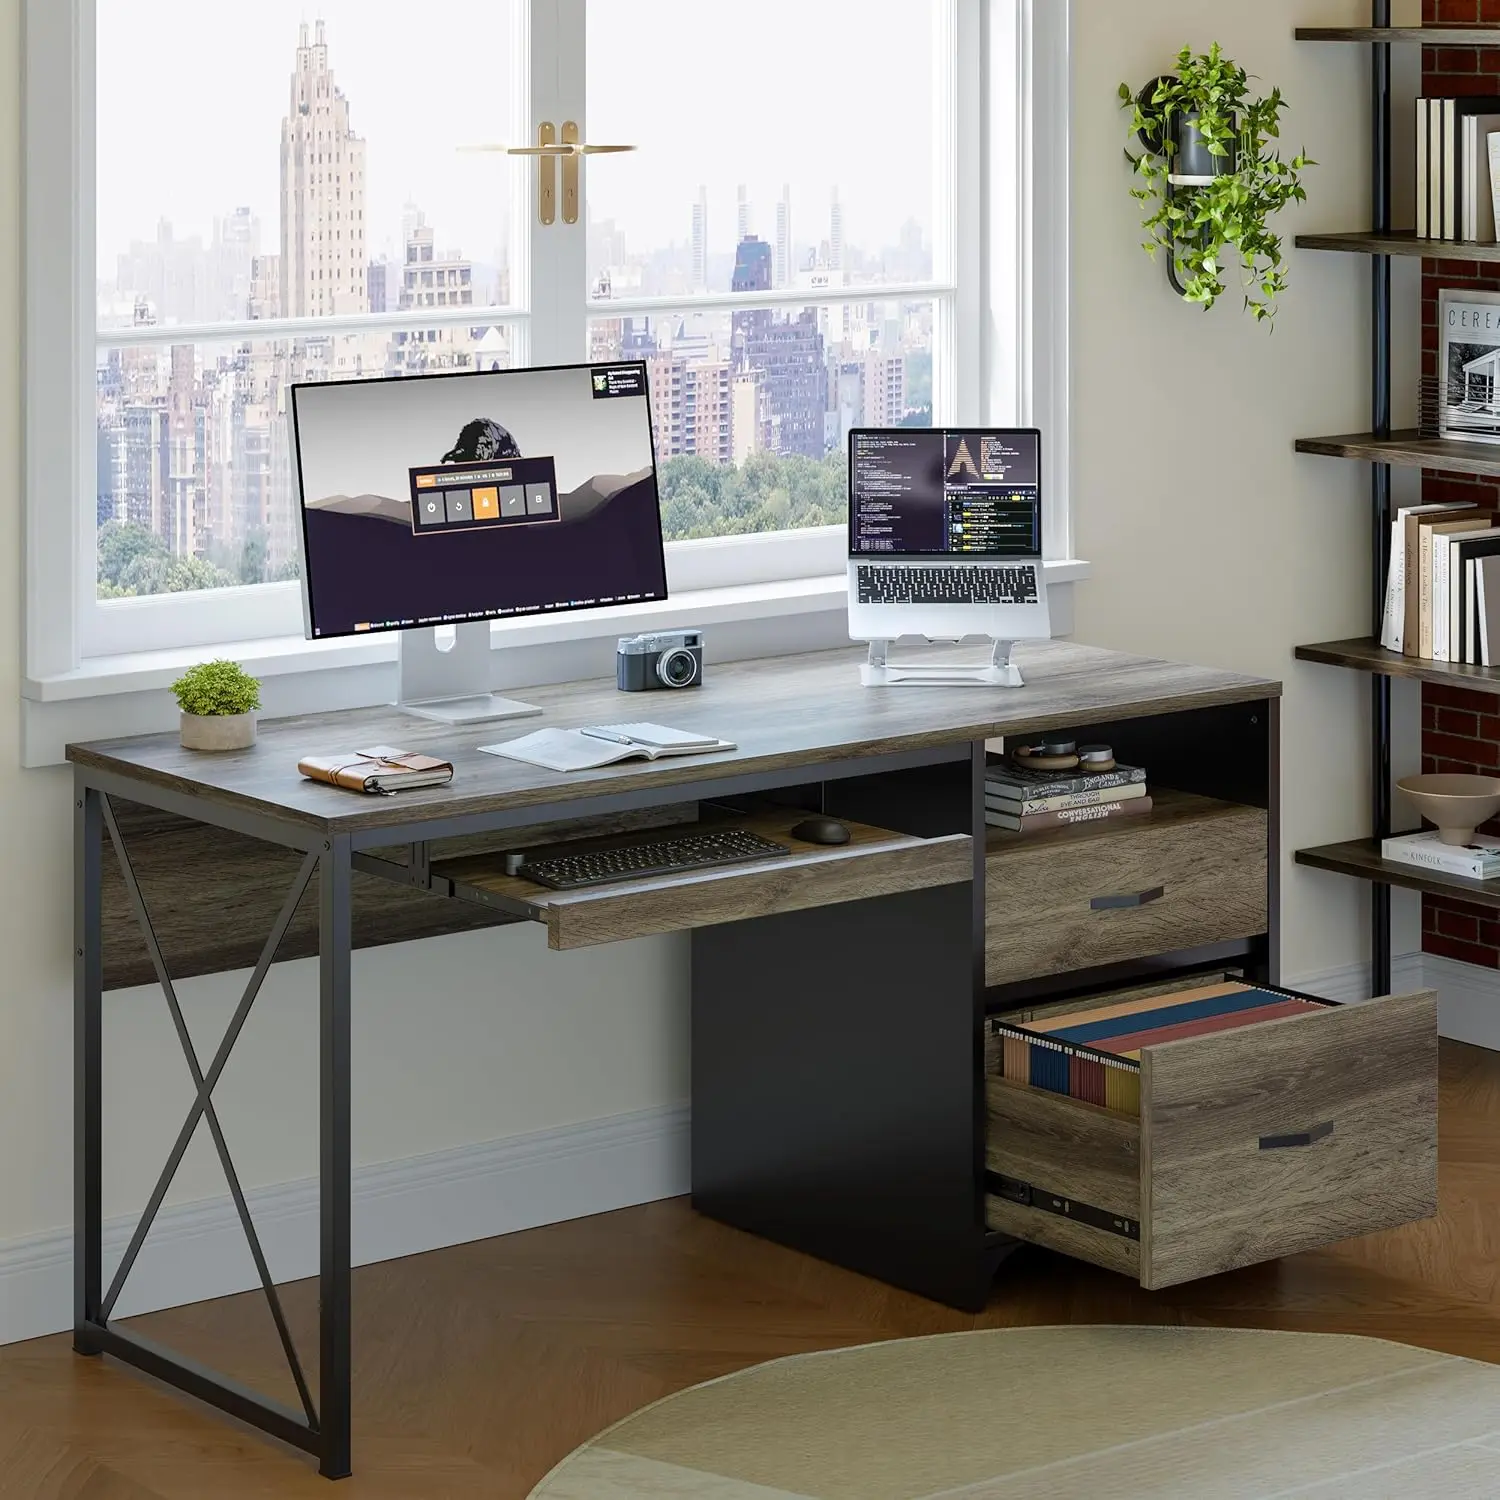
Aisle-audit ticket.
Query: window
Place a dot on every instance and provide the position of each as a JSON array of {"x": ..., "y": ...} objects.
[{"x": 786, "y": 274}]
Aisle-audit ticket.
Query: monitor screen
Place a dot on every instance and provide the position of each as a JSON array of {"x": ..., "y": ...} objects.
[
  {"x": 440, "y": 499},
  {"x": 957, "y": 492}
]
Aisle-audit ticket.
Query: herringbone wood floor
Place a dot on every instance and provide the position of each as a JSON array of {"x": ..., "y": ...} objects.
[{"x": 477, "y": 1368}]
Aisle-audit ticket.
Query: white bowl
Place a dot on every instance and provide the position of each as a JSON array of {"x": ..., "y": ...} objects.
[{"x": 1457, "y": 804}]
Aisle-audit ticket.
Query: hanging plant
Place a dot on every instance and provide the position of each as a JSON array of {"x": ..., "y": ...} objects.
[{"x": 1212, "y": 177}]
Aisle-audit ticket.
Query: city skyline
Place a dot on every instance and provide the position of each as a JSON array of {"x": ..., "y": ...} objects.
[
  {"x": 194, "y": 446},
  {"x": 153, "y": 78}
]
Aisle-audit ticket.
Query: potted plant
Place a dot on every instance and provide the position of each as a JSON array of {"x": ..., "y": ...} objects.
[
  {"x": 1212, "y": 177},
  {"x": 218, "y": 700}
]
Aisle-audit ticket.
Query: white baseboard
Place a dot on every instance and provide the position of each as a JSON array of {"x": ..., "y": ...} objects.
[
  {"x": 197, "y": 1250},
  {"x": 1468, "y": 996}
]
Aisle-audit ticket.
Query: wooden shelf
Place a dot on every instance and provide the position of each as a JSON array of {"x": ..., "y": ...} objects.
[
  {"x": 1409, "y": 450},
  {"x": 1400, "y": 242},
  {"x": 1361, "y": 859},
  {"x": 1368, "y": 655},
  {"x": 1429, "y": 36}
]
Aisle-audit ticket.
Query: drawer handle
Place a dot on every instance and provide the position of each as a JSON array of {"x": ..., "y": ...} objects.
[
  {"x": 1301, "y": 1138},
  {"x": 1138, "y": 898}
]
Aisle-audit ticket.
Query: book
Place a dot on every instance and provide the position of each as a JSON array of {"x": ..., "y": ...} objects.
[
  {"x": 1487, "y": 606},
  {"x": 1462, "y": 550},
  {"x": 1393, "y": 626},
  {"x": 1067, "y": 817},
  {"x": 1411, "y": 547},
  {"x": 1479, "y": 859},
  {"x": 1017, "y": 782},
  {"x": 1424, "y": 218},
  {"x": 597, "y": 746},
  {"x": 1493, "y": 150},
  {"x": 1429, "y": 526},
  {"x": 1476, "y": 188},
  {"x": 1055, "y": 801},
  {"x": 381, "y": 770},
  {"x": 1450, "y": 143}
]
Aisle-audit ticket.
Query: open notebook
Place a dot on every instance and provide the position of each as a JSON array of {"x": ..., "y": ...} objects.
[{"x": 600, "y": 745}]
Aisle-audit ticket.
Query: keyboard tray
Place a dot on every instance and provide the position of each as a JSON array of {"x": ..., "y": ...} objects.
[{"x": 875, "y": 862}]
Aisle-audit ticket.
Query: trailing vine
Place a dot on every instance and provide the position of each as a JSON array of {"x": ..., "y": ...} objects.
[{"x": 1197, "y": 225}]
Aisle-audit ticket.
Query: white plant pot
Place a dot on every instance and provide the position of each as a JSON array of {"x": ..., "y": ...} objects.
[{"x": 218, "y": 731}]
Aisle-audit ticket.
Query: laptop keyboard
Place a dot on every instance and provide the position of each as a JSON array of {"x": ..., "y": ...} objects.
[{"x": 947, "y": 585}]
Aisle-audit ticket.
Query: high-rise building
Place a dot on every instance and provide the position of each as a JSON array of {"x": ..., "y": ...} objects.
[
  {"x": 835, "y": 233},
  {"x": 749, "y": 420},
  {"x": 700, "y": 241},
  {"x": 430, "y": 279},
  {"x": 382, "y": 279},
  {"x": 236, "y": 244},
  {"x": 787, "y": 354},
  {"x": 265, "y": 288},
  {"x": 742, "y": 214},
  {"x": 691, "y": 405},
  {"x": 784, "y": 268},
  {"x": 752, "y": 273},
  {"x": 173, "y": 275},
  {"x": 185, "y": 514},
  {"x": 323, "y": 260}
]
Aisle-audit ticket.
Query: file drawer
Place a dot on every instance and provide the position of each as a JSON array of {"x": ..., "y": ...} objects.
[
  {"x": 1251, "y": 1144},
  {"x": 1190, "y": 873}
]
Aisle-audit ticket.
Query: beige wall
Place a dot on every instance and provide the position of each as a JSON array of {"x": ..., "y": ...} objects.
[{"x": 1210, "y": 538}]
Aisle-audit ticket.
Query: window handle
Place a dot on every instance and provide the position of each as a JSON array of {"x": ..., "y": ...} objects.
[{"x": 547, "y": 150}]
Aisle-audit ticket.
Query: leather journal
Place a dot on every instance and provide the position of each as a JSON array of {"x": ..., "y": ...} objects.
[{"x": 381, "y": 771}]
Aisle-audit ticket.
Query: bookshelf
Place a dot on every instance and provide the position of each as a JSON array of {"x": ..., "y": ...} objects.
[{"x": 1384, "y": 449}]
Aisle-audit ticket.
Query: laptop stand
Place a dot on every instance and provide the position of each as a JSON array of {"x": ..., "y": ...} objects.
[{"x": 999, "y": 671}]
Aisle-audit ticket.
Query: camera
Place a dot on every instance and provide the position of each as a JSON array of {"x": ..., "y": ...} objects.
[{"x": 668, "y": 659}]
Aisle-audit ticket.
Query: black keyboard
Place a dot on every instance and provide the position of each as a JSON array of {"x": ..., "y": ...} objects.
[
  {"x": 947, "y": 585},
  {"x": 693, "y": 851}
]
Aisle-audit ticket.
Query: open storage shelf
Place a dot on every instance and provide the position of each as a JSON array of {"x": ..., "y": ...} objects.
[
  {"x": 1368, "y": 655},
  {"x": 1400, "y": 242},
  {"x": 1360, "y": 858},
  {"x": 1408, "y": 450},
  {"x": 1430, "y": 36}
]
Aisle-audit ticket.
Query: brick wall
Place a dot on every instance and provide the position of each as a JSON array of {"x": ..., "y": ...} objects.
[{"x": 1460, "y": 729}]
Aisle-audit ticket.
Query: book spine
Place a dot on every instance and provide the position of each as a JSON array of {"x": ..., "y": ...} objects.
[
  {"x": 1069, "y": 817},
  {"x": 998, "y": 784},
  {"x": 1395, "y": 592},
  {"x": 1058, "y": 801},
  {"x": 1423, "y": 231},
  {"x": 1424, "y": 593},
  {"x": 1450, "y": 169},
  {"x": 1440, "y": 556},
  {"x": 1467, "y": 179},
  {"x": 1493, "y": 143}
]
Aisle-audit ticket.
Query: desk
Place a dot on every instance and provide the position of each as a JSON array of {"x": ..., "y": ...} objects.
[{"x": 838, "y": 1010}]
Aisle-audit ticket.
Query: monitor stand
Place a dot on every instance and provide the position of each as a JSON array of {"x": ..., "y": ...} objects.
[
  {"x": 452, "y": 686},
  {"x": 999, "y": 671}
]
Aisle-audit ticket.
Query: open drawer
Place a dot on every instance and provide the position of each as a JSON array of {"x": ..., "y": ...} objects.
[
  {"x": 1250, "y": 1144},
  {"x": 875, "y": 862}
]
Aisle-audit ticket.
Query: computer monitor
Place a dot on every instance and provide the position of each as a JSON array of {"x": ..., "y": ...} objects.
[{"x": 463, "y": 498}]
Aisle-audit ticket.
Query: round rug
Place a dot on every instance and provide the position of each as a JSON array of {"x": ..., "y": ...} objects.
[{"x": 1204, "y": 1413}]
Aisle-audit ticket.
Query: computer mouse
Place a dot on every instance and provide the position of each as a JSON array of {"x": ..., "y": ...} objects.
[{"x": 821, "y": 831}]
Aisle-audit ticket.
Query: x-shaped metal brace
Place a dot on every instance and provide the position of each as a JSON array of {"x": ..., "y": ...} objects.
[{"x": 203, "y": 1107}]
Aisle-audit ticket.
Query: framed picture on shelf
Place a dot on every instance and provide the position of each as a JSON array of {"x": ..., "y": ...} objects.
[{"x": 1469, "y": 366}]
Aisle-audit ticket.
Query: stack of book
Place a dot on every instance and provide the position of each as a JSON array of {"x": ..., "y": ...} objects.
[
  {"x": 1442, "y": 594},
  {"x": 1455, "y": 151},
  {"x": 1022, "y": 800},
  {"x": 1479, "y": 859}
]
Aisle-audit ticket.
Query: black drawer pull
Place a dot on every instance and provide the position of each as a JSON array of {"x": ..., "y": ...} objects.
[
  {"x": 1301, "y": 1138},
  {"x": 1138, "y": 898}
]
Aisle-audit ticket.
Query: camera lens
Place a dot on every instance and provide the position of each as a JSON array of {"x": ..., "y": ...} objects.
[{"x": 677, "y": 668}]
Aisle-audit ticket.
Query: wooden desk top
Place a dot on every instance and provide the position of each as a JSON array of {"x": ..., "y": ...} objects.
[{"x": 783, "y": 712}]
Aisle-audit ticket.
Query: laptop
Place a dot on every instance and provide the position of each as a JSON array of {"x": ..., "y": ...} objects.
[{"x": 945, "y": 534}]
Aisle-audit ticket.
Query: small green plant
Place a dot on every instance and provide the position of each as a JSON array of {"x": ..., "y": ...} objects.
[
  {"x": 214, "y": 689},
  {"x": 1197, "y": 225}
]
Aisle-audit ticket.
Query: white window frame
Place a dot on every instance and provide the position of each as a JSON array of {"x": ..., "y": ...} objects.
[{"x": 1000, "y": 286}]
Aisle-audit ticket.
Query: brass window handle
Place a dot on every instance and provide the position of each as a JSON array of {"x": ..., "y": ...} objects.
[{"x": 547, "y": 150}]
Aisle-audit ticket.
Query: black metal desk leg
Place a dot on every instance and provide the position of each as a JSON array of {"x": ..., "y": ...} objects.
[
  {"x": 334, "y": 871},
  {"x": 88, "y": 1066}
]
